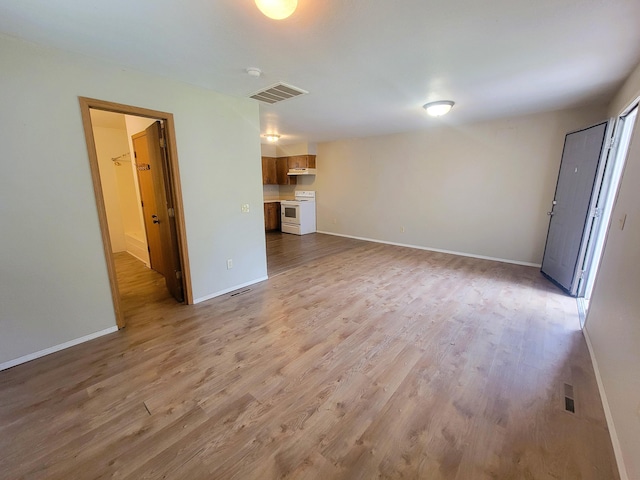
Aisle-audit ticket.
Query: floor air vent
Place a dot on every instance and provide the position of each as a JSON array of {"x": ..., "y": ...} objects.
[
  {"x": 569, "y": 403},
  {"x": 240, "y": 292},
  {"x": 277, "y": 93}
]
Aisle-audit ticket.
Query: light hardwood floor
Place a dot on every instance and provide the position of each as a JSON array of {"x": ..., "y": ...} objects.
[{"x": 355, "y": 360}]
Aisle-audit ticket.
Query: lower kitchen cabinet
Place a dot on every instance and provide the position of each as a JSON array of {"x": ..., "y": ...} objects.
[{"x": 271, "y": 216}]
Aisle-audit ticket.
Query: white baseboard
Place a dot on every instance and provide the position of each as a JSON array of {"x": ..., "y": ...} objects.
[
  {"x": 56, "y": 348},
  {"x": 450, "y": 252},
  {"x": 617, "y": 450},
  {"x": 141, "y": 258},
  {"x": 227, "y": 290},
  {"x": 138, "y": 248}
]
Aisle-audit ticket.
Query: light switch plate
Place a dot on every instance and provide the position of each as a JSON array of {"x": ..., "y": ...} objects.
[{"x": 623, "y": 220}]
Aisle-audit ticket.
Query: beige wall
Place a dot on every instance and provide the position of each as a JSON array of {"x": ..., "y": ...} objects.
[
  {"x": 296, "y": 149},
  {"x": 613, "y": 322},
  {"x": 111, "y": 143},
  {"x": 53, "y": 278},
  {"x": 268, "y": 150},
  {"x": 481, "y": 189}
]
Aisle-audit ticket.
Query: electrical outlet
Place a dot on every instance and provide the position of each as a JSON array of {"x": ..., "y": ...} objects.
[
  {"x": 244, "y": 208},
  {"x": 402, "y": 229},
  {"x": 229, "y": 264}
]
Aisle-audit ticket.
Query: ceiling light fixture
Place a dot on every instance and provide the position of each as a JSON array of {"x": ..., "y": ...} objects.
[
  {"x": 272, "y": 137},
  {"x": 277, "y": 9},
  {"x": 254, "y": 72},
  {"x": 437, "y": 109}
]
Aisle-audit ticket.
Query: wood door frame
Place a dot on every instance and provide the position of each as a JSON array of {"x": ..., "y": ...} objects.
[{"x": 85, "y": 105}]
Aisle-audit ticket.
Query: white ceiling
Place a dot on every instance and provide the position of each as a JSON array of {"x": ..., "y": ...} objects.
[{"x": 369, "y": 65}]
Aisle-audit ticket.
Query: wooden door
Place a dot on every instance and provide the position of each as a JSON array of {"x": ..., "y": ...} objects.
[
  {"x": 166, "y": 221},
  {"x": 147, "y": 194}
]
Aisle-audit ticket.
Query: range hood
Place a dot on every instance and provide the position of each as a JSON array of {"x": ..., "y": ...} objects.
[{"x": 302, "y": 171}]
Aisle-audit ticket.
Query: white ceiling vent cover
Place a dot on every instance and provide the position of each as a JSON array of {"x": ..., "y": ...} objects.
[{"x": 277, "y": 93}]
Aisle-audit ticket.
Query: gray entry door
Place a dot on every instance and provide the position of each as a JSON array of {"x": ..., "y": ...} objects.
[{"x": 571, "y": 216}]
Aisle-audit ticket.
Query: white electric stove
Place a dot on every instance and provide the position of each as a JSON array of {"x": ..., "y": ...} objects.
[{"x": 299, "y": 216}]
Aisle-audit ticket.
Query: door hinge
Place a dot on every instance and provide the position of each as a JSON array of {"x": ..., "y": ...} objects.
[
  {"x": 171, "y": 212},
  {"x": 178, "y": 274},
  {"x": 163, "y": 144},
  {"x": 596, "y": 212},
  {"x": 582, "y": 272}
]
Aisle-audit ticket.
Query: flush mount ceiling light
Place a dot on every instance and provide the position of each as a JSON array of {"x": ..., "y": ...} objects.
[
  {"x": 437, "y": 109},
  {"x": 272, "y": 137},
  {"x": 254, "y": 72},
  {"x": 277, "y": 9}
]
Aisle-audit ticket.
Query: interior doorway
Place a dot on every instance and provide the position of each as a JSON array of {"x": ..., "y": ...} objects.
[{"x": 150, "y": 133}]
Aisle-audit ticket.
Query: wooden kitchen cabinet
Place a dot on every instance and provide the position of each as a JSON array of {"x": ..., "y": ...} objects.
[
  {"x": 302, "y": 161},
  {"x": 284, "y": 164},
  {"x": 271, "y": 216},
  {"x": 269, "y": 171},
  {"x": 274, "y": 170},
  {"x": 282, "y": 168}
]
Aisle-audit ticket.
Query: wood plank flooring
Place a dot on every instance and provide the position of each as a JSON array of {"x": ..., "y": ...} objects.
[{"x": 355, "y": 360}]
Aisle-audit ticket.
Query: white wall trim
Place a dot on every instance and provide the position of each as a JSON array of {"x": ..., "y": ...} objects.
[
  {"x": 56, "y": 348},
  {"x": 450, "y": 252},
  {"x": 227, "y": 290},
  {"x": 617, "y": 449}
]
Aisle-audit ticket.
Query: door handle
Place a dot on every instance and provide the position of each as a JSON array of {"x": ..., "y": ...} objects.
[{"x": 155, "y": 219}]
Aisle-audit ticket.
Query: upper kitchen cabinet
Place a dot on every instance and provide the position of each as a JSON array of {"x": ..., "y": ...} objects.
[
  {"x": 269, "y": 171},
  {"x": 275, "y": 170},
  {"x": 302, "y": 161},
  {"x": 282, "y": 169}
]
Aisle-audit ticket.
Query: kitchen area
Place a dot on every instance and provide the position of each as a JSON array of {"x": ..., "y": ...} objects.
[{"x": 288, "y": 175}]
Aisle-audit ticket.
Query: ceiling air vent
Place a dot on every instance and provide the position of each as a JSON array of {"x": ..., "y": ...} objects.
[{"x": 277, "y": 93}]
